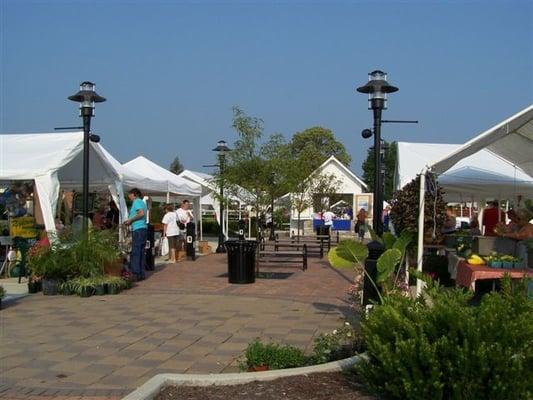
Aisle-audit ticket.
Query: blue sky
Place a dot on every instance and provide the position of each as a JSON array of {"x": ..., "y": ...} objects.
[{"x": 171, "y": 70}]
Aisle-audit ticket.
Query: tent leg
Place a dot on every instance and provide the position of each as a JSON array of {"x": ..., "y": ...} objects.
[{"x": 421, "y": 213}]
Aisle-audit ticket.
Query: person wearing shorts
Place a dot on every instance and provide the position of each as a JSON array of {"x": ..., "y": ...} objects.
[{"x": 171, "y": 232}]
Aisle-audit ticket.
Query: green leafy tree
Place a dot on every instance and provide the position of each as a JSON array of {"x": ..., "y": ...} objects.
[
  {"x": 389, "y": 162},
  {"x": 176, "y": 166},
  {"x": 317, "y": 144}
]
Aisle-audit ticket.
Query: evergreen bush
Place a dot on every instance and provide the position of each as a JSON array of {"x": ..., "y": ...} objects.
[{"x": 438, "y": 346}]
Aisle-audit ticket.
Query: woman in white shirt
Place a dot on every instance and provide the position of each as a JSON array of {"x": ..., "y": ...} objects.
[{"x": 171, "y": 231}]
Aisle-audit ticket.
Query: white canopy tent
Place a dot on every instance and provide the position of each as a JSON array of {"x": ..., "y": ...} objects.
[
  {"x": 53, "y": 160},
  {"x": 208, "y": 195},
  {"x": 174, "y": 183},
  {"x": 479, "y": 176},
  {"x": 511, "y": 140}
]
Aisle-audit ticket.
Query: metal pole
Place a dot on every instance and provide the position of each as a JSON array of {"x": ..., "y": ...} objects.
[
  {"x": 272, "y": 234},
  {"x": 86, "y": 114},
  {"x": 220, "y": 247},
  {"x": 378, "y": 181}
]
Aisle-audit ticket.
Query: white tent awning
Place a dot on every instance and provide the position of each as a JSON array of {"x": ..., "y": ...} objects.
[
  {"x": 511, "y": 139},
  {"x": 151, "y": 170}
]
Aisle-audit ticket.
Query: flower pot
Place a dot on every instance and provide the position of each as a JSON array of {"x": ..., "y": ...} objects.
[
  {"x": 99, "y": 290},
  {"x": 519, "y": 264},
  {"x": 114, "y": 268},
  {"x": 507, "y": 264},
  {"x": 49, "y": 287},
  {"x": 258, "y": 368},
  {"x": 111, "y": 289},
  {"x": 496, "y": 264},
  {"x": 86, "y": 291},
  {"x": 34, "y": 287}
]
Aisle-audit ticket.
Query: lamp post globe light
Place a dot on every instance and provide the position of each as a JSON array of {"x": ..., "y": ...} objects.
[
  {"x": 377, "y": 89},
  {"x": 222, "y": 149},
  {"x": 86, "y": 96}
]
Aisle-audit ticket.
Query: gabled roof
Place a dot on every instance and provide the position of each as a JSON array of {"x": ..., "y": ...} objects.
[{"x": 343, "y": 167}]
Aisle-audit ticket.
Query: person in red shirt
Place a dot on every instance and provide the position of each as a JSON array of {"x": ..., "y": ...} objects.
[{"x": 491, "y": 219}]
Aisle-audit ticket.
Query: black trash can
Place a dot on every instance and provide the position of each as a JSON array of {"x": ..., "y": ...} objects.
[
  {"x": 241, "y": 260},
  {"x": 150, "y": 252},
  {"x": 190, "y": 239}
]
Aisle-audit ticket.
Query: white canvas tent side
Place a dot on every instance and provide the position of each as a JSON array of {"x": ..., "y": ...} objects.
[
  {"x": 52, "y": 160},
  {"x": 511, "y": 140}
]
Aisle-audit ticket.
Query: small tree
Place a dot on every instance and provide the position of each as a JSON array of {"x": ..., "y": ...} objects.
[
  {"x": 389, "y": 162},
  {"x": 176, "y": 166}
]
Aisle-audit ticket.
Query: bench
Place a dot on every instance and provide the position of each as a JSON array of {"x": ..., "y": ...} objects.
[
  {"x": 293, "y": 258},
  {"x": 315, "y": 248}
]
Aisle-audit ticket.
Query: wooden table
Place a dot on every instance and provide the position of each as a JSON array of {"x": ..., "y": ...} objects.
[{"x": 468, "y": 274}]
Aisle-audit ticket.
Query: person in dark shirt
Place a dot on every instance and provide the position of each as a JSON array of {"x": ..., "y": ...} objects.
[{"x": 112, "y": 216}]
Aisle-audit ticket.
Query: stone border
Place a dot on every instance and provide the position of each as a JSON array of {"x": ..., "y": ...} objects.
[{"x": 152, "y": 387}]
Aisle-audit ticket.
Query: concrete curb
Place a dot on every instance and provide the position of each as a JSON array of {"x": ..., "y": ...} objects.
[{"x": 152, "y": 387}]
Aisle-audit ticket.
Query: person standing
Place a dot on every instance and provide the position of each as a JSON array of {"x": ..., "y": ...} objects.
[
  {"x": 185, "y": 216},
  {"x": 360, "y": 226},
  {"x": 137, "y": 221},
  {"x": 328, "y": 217},
  {"x": 491, "y": 216},
  {"x": 113, "y": 216},
  {"x": 385, "y": 218},
  {"x": 171, "y": 231}
]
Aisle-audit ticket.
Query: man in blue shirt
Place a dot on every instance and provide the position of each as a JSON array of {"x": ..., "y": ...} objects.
[{"x": 137, "y": 220}]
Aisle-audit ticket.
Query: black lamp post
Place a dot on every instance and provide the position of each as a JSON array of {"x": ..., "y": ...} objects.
[
  {"x": 377, "y": 89},
  {"x": 222, "y": 149},
  {"x": 272, "y": 183},
  {"x": 86, "y": 96}
]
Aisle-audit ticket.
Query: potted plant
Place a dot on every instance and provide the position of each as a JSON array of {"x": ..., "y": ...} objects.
[
  {"x": 2, "y": 295},
  {"x": 66, "y": 288},
  {"x": 35, "y": 284},
  {"x": 507, "y": 261},
  {"x": 100, "y": 286},
  {"x": 115, "y": 284}
]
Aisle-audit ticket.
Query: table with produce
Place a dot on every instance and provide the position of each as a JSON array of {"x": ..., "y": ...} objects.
[{"x": 493, "y": 266}]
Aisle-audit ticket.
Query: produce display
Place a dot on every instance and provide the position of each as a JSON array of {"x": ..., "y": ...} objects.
[{"x": 496, "y": 260}]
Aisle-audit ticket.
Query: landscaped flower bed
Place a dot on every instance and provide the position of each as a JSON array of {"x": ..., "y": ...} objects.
[{"x": 323, "y": 386}]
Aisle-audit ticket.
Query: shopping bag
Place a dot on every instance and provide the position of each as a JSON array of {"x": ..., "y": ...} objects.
[{"x": 164, "y": 246}]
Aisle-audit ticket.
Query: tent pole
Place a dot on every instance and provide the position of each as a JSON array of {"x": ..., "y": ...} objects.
[{"x": 421, "y": 212}]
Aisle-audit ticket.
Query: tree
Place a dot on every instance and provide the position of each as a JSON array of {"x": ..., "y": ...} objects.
[
  {"x": 318, "y": 144},
  {"x": 389, "y": 162},
  {"x": 176, "y": 166},
  {"x": 249, "y": 168}
]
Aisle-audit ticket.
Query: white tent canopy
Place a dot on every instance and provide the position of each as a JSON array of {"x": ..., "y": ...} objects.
[
  {"x": 54, "y": 159},
  {"x": 478, "y": 176},
  {"x": 511, "y": 140},
  {"x": 131, "y": 179},
  {"x": 151, "y": 170}
]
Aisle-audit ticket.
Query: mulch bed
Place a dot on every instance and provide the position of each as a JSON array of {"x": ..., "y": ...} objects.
[{"x": 323, "y": 386}]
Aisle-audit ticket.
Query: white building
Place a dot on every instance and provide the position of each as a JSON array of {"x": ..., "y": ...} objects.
[{"x": 351, "y": 187}]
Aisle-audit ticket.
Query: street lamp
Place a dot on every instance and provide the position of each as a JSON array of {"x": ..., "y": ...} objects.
[
  {"x": 272, "y": 183},
  {"x": 377, "y": 89},
  {"x": 86, "y": 96},
  {"x": 222, "y": 150}
]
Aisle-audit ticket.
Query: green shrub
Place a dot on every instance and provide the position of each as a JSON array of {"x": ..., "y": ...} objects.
[
  {"x": 440, "y": 347},
  {"x": 273, "y": 355},
  {"x": 69, "y": 256},
  {"x": 341, "y": 343}
]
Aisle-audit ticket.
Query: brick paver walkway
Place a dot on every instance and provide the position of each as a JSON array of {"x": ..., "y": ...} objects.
[{"x": 185, "y": 318}]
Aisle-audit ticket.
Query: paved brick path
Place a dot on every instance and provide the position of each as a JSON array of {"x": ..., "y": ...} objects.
[{"x": 184, "y": 318}]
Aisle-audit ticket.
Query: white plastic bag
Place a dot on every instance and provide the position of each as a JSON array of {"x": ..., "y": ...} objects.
[{"x": 164, "y": 246}]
